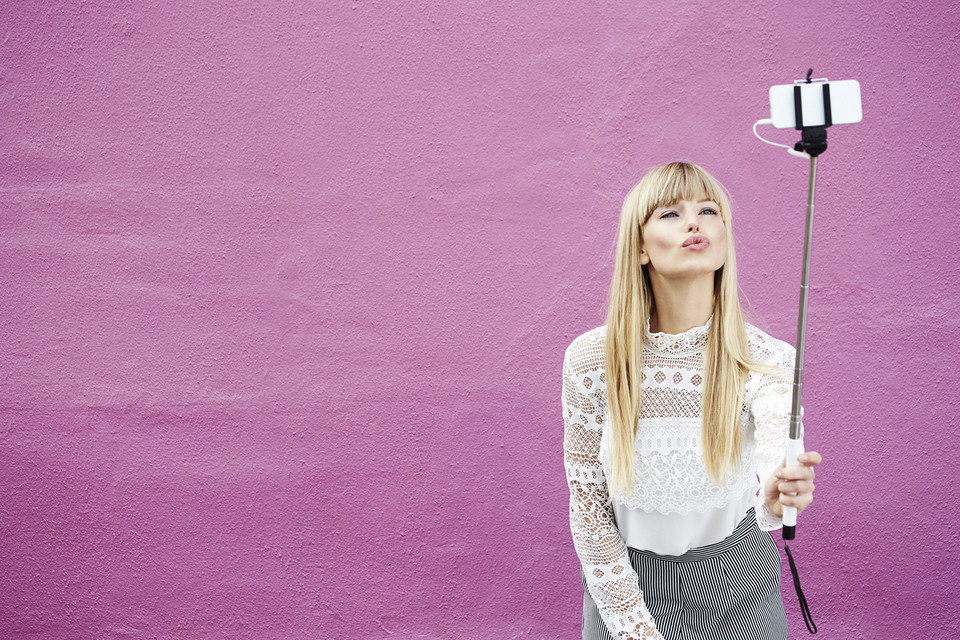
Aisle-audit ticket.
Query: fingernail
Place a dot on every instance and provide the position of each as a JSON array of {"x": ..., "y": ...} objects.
[
  {"x": 779, "y": 475},
  {"x": 804, "y": 457}
]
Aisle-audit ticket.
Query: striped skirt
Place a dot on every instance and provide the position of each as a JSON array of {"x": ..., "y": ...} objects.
[{"x": 728, "y": 590}]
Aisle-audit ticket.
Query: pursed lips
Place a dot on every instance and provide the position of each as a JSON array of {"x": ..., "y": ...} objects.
[{"x": 696, "y": 242}]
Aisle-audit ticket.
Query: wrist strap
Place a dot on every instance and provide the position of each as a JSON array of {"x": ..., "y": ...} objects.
[{"x": 804, "y": 607}]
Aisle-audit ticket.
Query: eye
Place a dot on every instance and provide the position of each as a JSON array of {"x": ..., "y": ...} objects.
[
  {"x": 668, "y": 214},
  {"x": 709, "y": 212}
]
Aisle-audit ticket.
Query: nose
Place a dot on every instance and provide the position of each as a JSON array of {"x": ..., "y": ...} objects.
[{"x": 694, "y": 223}]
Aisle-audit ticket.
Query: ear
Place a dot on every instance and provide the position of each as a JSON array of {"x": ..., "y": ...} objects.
[{"x": 644, "y": 258}]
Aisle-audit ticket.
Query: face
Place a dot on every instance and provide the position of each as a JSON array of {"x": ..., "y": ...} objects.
[{"x": 684, "y": 240}]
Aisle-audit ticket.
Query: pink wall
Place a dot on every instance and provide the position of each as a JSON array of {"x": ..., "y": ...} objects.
[{"x": 286, "y": 288}]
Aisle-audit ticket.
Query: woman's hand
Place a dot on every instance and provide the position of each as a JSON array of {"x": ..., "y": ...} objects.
[{"x": 787, "y": 480}]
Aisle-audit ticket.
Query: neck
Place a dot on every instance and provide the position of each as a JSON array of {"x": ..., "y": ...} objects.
[{"x": 681, "y": 305}]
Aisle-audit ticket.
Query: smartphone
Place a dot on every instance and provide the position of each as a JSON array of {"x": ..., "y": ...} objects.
[{"x": 845, "y": 107}]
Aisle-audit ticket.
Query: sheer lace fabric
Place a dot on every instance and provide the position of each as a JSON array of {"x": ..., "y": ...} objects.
[{"x": 669, "y": 475}]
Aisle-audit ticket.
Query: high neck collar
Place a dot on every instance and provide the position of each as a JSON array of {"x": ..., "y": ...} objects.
[{"x": 689, "y": 341}]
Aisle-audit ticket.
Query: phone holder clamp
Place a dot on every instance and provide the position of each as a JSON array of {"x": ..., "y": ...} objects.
[{"x": 813, "y": 140}]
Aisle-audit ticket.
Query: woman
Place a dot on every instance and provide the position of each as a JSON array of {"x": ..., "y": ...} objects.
[{"x": 676, "y": 413}]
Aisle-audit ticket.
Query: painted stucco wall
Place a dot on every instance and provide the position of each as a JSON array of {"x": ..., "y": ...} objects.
[{"x": 286, "y": 289}]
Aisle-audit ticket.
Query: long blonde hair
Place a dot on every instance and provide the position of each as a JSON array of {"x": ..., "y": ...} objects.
[{"x": 726, "y": 361}]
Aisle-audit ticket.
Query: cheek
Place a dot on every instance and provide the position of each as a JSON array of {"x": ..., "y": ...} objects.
[
  {"x": 657, "y": 242},
  {"x": 721, "y": 244},
  {"x": 665, "y": 244},
  {"x": 718, "y": 232},
  {"x": 656, "y": 250}
]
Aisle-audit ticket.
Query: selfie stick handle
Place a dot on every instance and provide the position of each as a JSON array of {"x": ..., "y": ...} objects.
[{"x": 795, "y": 444}]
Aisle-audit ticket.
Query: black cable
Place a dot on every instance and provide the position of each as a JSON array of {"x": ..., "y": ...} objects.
[{"x": 804, "y": 607}]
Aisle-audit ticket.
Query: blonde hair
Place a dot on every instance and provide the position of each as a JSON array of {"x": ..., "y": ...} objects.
[{"x": 726, "y": 361}]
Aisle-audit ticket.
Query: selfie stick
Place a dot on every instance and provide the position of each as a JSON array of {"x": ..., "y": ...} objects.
[{"x": 813, "y": 142}]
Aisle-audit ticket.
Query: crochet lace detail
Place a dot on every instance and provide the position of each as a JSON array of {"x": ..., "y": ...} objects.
[
  {"x": 694, "y": 339},
  {"x": 669, "y": 472}
]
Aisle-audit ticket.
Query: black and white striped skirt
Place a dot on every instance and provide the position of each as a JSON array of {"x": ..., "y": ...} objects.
[{"x": 728, "y": 590}]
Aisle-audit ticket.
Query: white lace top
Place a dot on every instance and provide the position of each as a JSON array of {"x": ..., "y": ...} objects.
[{"x": 673, "y": 505}]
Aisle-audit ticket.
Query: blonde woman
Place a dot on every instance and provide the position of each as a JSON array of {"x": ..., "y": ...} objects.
[{"x": 676, "y": 415}]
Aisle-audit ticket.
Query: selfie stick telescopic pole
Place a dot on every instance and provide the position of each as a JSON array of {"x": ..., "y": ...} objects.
[{"x": 814, "y": 142}]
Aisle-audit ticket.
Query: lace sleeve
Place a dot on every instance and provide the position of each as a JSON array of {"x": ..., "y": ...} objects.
[
  {"x": 610, "y": 577},
  {"x": 770, "y": 410}
]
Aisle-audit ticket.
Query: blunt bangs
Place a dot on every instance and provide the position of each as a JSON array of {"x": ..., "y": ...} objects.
[{"x": 678, "y": 181}]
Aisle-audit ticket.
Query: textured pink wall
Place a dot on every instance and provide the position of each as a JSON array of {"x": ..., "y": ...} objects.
[{"x": 286, "y": 288}]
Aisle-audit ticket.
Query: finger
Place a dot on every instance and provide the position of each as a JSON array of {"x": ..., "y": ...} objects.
[
  {"x": 800, "y": 502},
  {"x": 810, "y": 458},
  {"x": 796, "y": 499},
  {"x": 796, "y": 473},
  {"x": 798, "y": 487}
]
